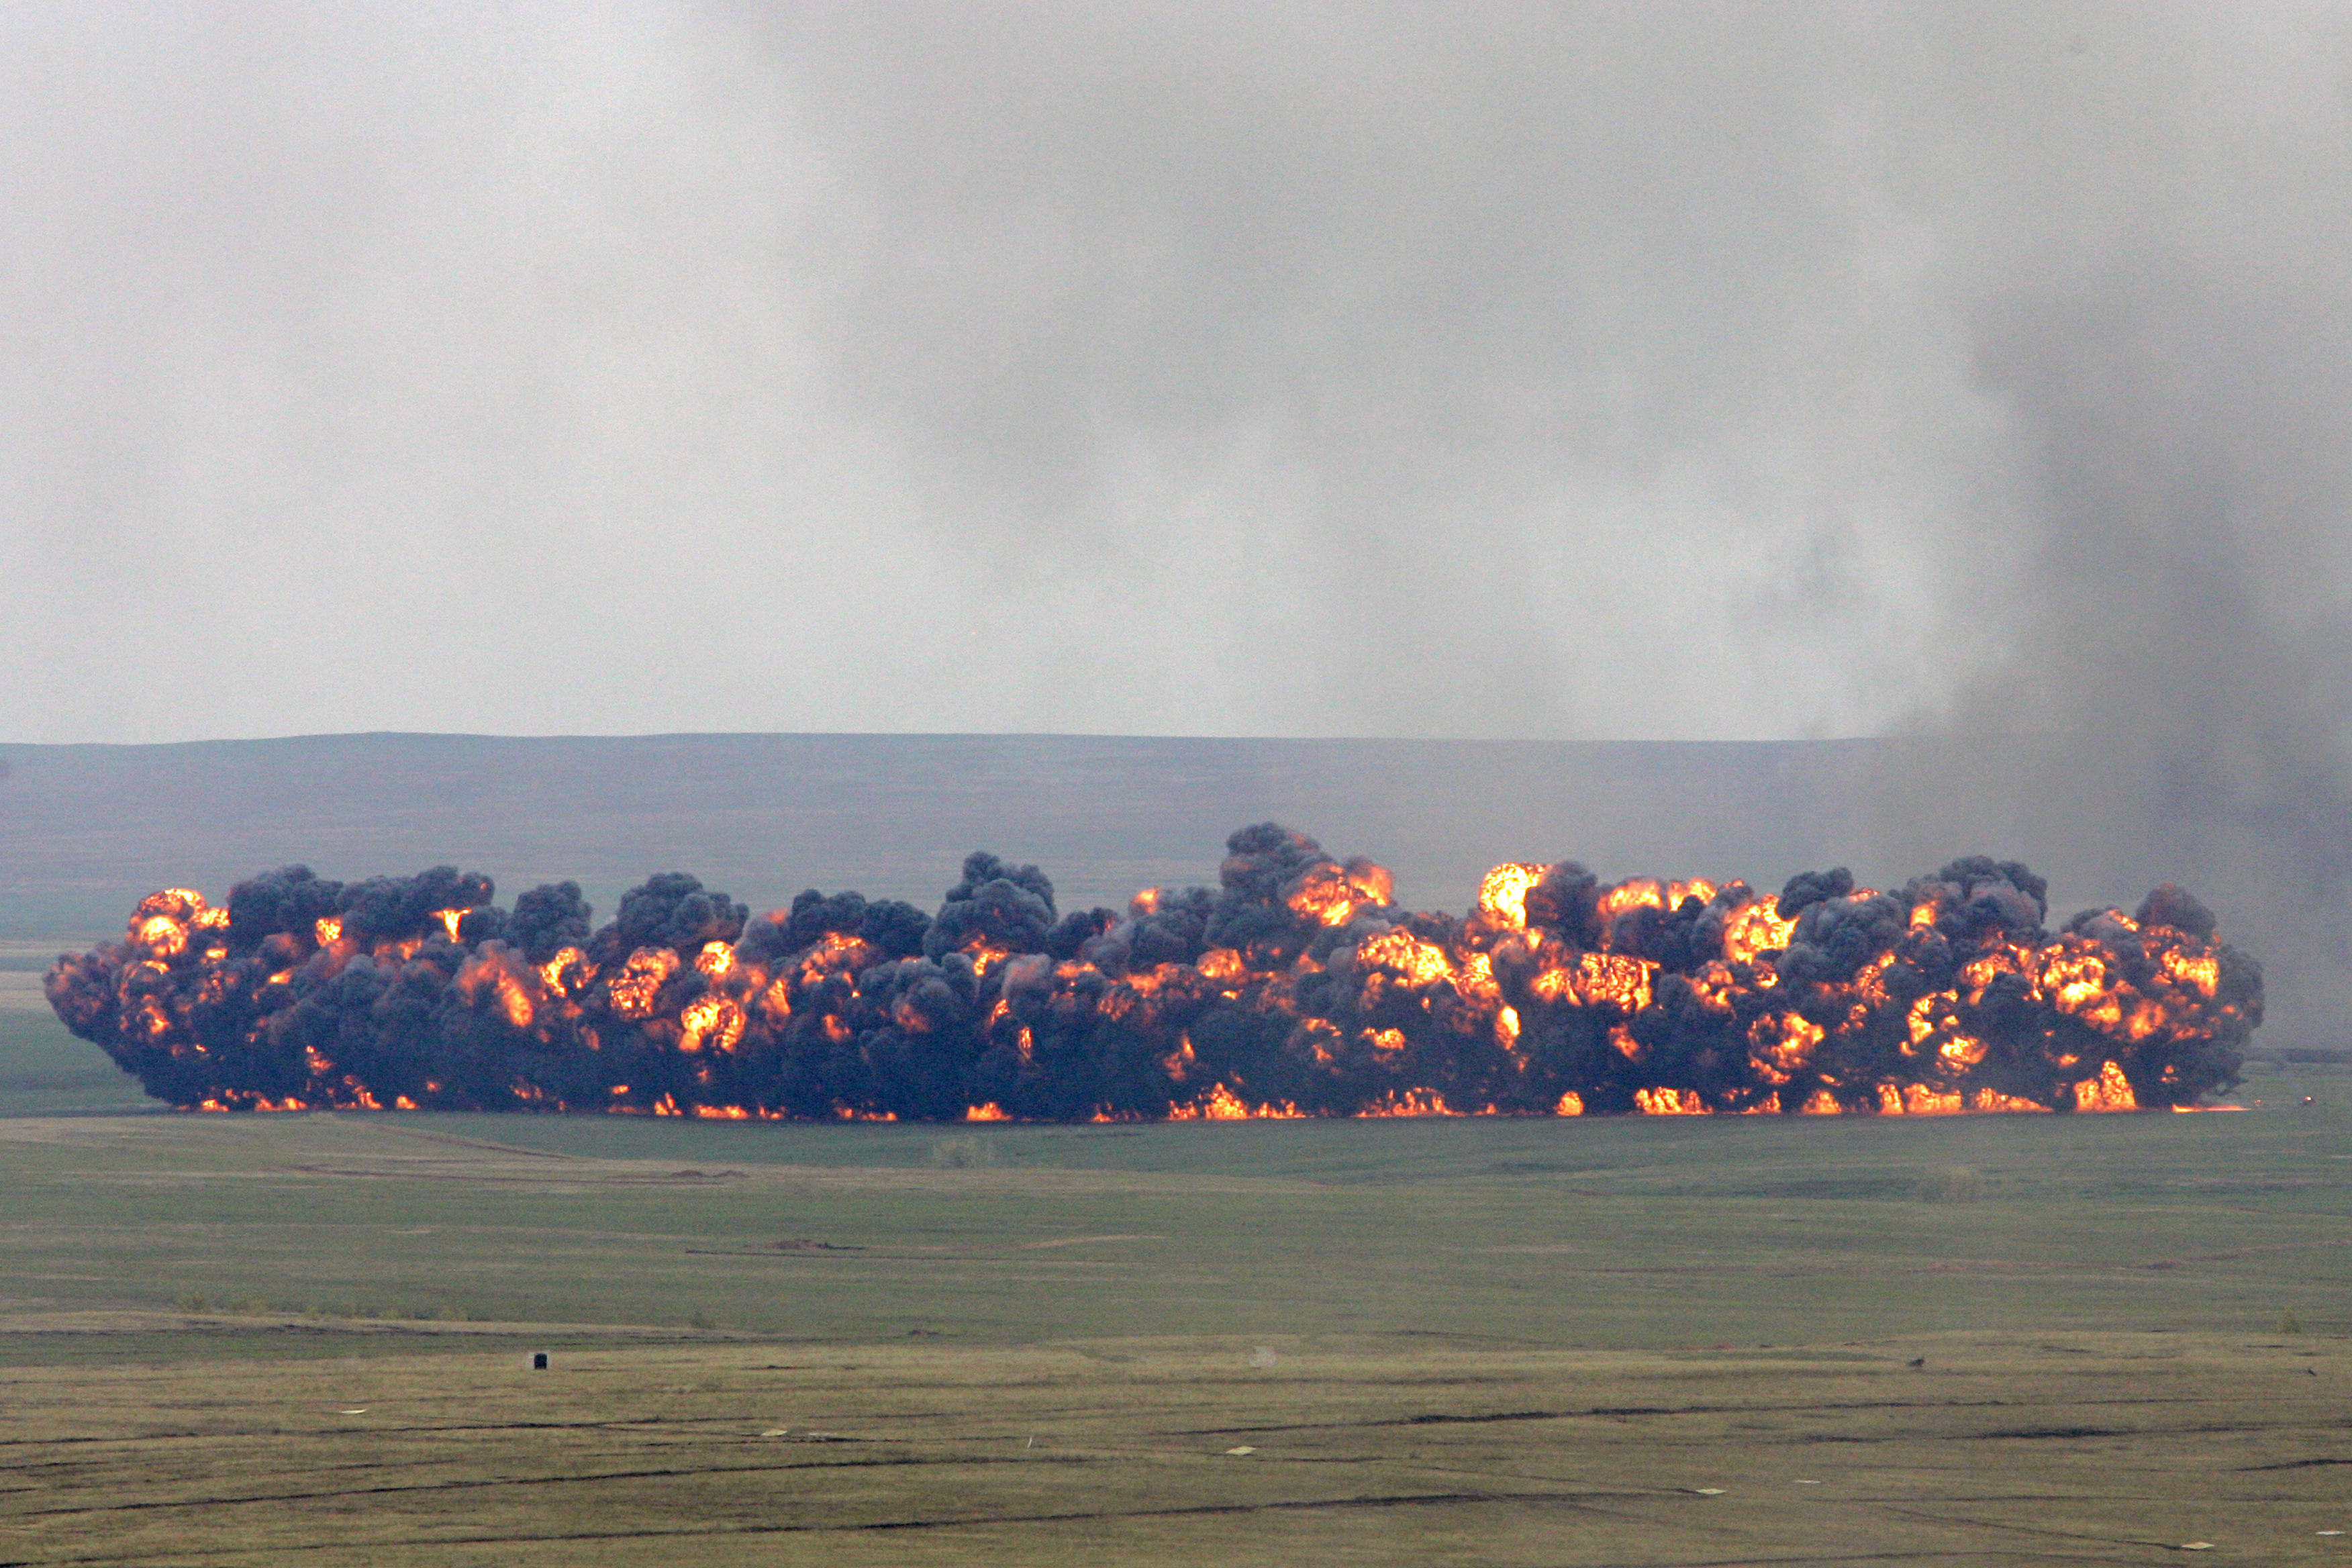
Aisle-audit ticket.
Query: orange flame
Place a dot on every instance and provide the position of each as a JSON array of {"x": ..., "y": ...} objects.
[
  {"x": 1333, "y": 895},
  {"x": 2109, "y": 1091},
  {"x": 1378, "y": 999},
  {"x": 713, "y": 1021},
  {"x": 633, "y": 990},
  {"x": 1408, "y": 1102},
  {"x": 1421, "y": 963},
  {"x": 1754, "y": 930},
  {"x": 1503, "y": 896},
  {"x": 568, "y": 972},
  {"x": 1221, "y": 1104}
]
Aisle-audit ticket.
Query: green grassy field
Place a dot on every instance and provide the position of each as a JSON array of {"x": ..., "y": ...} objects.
[
  {"x": 2074, "y": 1448},
  {"x": 1506, "y": 1342},
  {"x": 44, "y": 1071}
]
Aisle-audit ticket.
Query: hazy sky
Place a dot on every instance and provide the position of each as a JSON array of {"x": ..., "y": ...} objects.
[{"x": 1251, "y": 368}]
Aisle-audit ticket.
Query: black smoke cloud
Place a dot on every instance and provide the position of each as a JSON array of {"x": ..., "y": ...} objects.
[{"x": 1294, "y": 986}]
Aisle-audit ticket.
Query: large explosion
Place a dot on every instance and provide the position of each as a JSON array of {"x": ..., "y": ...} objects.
[{"x": 1294, "y": 988}]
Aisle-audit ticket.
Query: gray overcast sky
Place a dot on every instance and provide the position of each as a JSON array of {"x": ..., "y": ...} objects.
[{"x": 1253, "y": 368}]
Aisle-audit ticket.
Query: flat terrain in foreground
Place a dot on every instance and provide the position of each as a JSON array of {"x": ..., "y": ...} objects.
[
  {"x": 233, "y": 1340},
  {"x": 2068, "y": 1448}
]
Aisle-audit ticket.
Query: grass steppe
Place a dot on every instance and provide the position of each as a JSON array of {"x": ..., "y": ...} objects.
[{"x": 306, "y": 1339}]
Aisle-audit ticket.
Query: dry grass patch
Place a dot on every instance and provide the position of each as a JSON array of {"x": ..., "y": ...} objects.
[{"x": 2107, "y": 1449}]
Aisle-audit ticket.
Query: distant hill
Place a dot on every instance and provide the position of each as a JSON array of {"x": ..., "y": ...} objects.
[{"x": 86, "y": 830}]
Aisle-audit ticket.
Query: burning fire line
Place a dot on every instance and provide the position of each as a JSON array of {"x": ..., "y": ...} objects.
[{"x": 1296, "y": 987}]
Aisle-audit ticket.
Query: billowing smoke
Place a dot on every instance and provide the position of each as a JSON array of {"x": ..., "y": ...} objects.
[
  {"x": 1296, "y": 986},
  {"x": 1729, "y": 371}
]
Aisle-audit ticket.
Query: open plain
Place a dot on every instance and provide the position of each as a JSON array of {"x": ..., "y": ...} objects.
[{"x": 1673, "y": 1341}]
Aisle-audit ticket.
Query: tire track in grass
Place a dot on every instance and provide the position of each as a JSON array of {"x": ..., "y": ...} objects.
[{"x": 468, "y": 1485}]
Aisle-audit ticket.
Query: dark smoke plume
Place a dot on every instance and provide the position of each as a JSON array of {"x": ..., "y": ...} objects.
[{"x": 1295, "y": 987}]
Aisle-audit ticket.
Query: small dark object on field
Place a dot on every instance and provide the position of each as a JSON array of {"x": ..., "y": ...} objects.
[
  {"x": 1917, "y": 1360},
  {"x": 539, "y": 1361}
]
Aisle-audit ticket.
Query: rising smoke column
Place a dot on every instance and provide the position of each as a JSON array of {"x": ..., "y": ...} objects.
[{"x": 1296, "y": 987}]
